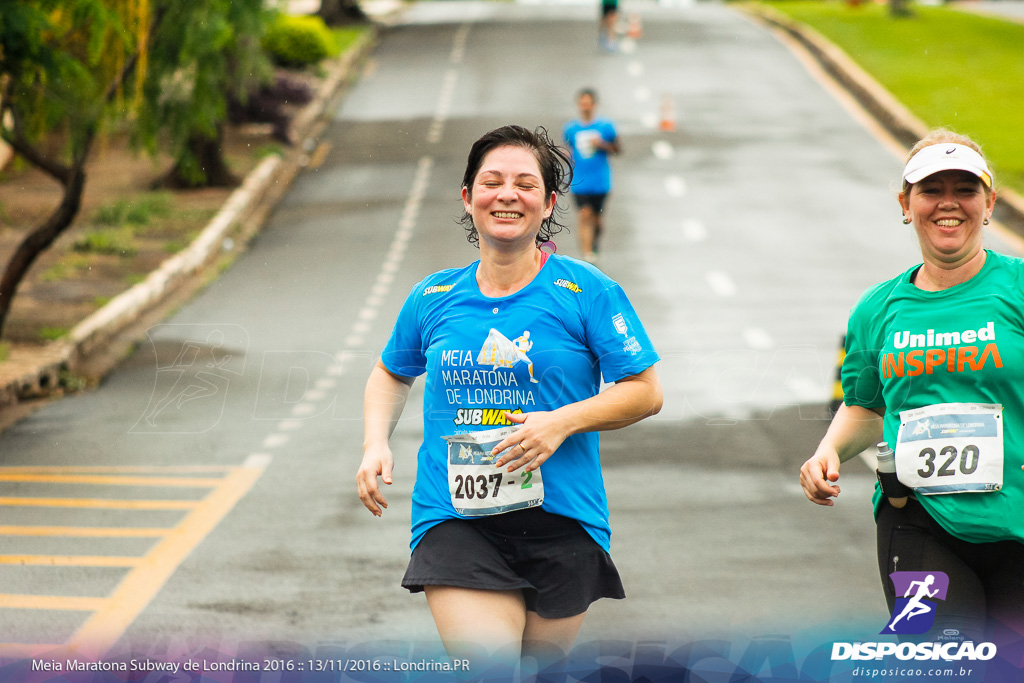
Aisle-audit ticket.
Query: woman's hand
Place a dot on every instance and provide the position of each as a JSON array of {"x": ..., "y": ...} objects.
[
  {"x": 818, "y": 476},
  {"x": 377, "y": 462},
  {"x": 533, "y": 443}
]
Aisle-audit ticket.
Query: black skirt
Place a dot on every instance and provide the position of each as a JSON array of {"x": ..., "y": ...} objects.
[{"x": 551, "y": 558}]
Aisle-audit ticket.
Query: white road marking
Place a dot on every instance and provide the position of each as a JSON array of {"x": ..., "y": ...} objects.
[
  {"x": 758, "y": 339},
  {"x": 675, "y": 186},
  {"x": 694, "y": 231},
  {"x": 275, "y": 440},
  {"x": 720, "y": 283},
  {"x": 257, "y": 460},
  {"x": 662, "y": 149},
  {"x": 806, "y": 390},
  {"x": 302, "y": 410}
]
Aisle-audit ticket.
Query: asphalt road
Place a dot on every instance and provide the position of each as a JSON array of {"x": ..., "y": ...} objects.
[{"x": 742, "y": 237}]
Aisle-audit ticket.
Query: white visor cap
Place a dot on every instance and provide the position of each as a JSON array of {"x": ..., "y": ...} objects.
[{"x": 946, "y": 157}]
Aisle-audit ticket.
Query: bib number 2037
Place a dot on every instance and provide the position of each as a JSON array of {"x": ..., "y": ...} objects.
[
  {"x": 468, "y": 486},
  {"x": 477, "y": 487}
]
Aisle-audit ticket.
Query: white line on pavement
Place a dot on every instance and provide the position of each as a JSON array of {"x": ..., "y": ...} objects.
[
  {"x": 675, "y": 186},
  {"x": 459, "y": 44},
  {"x": 302, "y": 410},
  {"x": 758, "y": 339},
  {"x": 720, "y": 283},
  {"x": 275, "y": 440},
  {"x": 694, "y": 231},
  {"x": 805, "y": 390},
  {"x": 662, "y": 149}
]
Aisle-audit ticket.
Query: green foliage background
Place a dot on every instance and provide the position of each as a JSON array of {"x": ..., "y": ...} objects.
[{"x": 949, "y": 67}]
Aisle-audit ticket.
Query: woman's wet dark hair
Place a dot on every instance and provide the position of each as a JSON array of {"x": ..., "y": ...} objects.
[{"x": 555, "y": 170}]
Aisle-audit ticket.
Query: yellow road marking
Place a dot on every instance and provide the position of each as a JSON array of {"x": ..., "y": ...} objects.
[
  {"x": 103, "y": 629},
  {"x": 65, "y": 602},
  {"x": 154, "y": 469},
  {"x": 81, "y": 531},
  {"x": 206, "y": 482},
  {"x": 199, "y": 482},
  {"x": 71, "y": 560},
  {"x": 100, "y": 503}
]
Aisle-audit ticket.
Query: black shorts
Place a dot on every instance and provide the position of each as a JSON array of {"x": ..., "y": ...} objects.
[
  {"x": 552, "y": 559},
  {"x": 594, "y": 201},
  {"x": 986, "y": 580}
]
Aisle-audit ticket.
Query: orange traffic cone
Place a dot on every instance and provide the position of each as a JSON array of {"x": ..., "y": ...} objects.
[
  {"x": 635, "y": 30},
  {"x": 668, "y": 114}
]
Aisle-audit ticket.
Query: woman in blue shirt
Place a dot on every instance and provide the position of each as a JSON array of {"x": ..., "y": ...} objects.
[{"x": 511, "y": 551}]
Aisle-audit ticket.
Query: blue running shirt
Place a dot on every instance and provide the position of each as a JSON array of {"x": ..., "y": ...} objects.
[
  {"x": 567, "y": 328},
  {"x": 592, "y": 174}
]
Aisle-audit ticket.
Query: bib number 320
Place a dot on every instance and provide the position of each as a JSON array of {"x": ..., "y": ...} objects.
[{"x": 951, "y": 448}]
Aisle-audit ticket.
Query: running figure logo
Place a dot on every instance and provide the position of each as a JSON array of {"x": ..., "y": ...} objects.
[
  {"x": 923, "y": 427},
  {"x": 914, "y": 613},
  {"x": 499, "y": 352},
  {"x": 195, "y": 366}
]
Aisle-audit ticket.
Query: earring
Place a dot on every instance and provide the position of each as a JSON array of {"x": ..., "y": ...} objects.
[
  {"x": 985, "y": 222},
  {"x": 908, "y": 220}
]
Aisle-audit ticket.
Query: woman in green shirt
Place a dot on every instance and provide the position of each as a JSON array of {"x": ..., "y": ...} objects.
[{"x": 933, "y": 367}]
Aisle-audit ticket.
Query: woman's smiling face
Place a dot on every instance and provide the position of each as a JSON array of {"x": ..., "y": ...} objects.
[
  {"x": 508, "y": 201},
  {"x": 948, "y": 209}
]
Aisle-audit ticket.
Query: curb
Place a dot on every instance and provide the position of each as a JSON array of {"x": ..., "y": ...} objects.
[
  {"x": 244, "y": 209},
  {"x": 879, "y": 102}
]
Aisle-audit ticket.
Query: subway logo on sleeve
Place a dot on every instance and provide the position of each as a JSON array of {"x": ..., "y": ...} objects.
[{"x": 923, "y": 353}]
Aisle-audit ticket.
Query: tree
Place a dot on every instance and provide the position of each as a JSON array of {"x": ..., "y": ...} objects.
[
  {"x": 204, "y": 52},
  {"x": 65, "y": 66},
  {"x": 338, "y": 12}
]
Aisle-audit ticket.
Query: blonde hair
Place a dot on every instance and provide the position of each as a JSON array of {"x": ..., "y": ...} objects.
[{"x": 939, "y": 136}]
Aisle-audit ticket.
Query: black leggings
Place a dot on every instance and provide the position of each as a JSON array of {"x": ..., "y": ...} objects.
[{"x": 986, "y": 580}]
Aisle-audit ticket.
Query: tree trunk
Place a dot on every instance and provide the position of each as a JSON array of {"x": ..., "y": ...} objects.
[
  {"x": 40, "y": 239},
  {"x": 338, "y": 12},
  {"x": 202, "y": 166}
]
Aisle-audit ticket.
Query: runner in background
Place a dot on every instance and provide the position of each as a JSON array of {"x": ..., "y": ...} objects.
[
  {"x": 607, "y": 38},
  {"x": 932, "y": 366},
  {"x": 511, "y": 544},
  {"x": 591, "y": 140}
]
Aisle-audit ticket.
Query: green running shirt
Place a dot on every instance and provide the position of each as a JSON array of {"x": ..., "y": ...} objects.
[{"x": 907, "y": 348}]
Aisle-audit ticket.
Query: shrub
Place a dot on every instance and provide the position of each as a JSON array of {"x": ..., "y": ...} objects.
[
  {"x": 298, "y": 41},
  {"x": 53, "y": 333},
  {"x": 137, "y": 211},
  {"x": 117, "y": 242}
]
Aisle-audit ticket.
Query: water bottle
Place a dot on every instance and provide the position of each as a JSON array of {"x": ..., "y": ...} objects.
[{"x": 892, "y": 487}]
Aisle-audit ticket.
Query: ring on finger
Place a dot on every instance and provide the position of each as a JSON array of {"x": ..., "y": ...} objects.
[{"x": 522, "y": 446}]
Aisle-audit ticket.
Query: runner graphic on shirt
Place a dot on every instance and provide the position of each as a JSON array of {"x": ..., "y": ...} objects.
[{"x": 498, "y": 351}]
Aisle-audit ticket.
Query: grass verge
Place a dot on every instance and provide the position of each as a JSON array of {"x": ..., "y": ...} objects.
[{"x": 950, "y": 68}]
